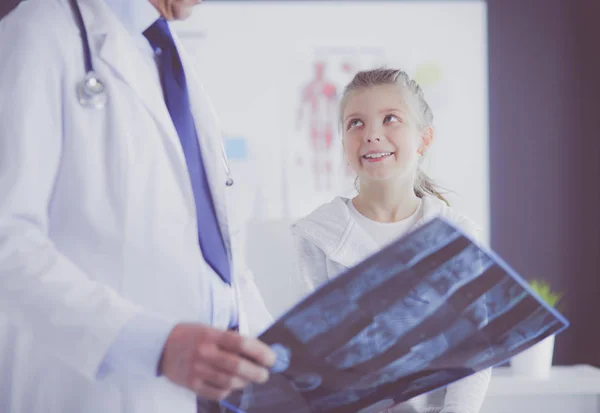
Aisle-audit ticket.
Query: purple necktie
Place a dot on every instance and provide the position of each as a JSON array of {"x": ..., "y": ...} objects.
[{"x": 177, "y": 99}]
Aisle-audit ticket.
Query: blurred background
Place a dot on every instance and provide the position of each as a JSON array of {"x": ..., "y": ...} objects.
[
  {"x": 514, "y": 87},
  {"x": 276, "y": 70}
]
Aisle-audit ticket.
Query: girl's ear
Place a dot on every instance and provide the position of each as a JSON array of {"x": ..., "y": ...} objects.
[{"x": 426, "y": 139}]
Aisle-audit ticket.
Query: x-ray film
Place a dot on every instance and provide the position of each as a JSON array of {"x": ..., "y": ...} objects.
[{"x": 431, "y": 308}]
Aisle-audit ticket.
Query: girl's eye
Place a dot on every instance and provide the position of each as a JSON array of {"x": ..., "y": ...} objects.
[
  {"x": 354, "y": 122},
  {"x": 390, "y": 118}
]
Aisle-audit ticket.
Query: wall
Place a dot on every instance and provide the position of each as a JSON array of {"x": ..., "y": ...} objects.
[
  {"x": 6, "y": 6},
  {"x": 545, "y": 153},
  {"x": 257, "y": 59}
]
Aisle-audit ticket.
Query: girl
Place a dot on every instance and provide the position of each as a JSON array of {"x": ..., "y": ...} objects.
[{"x": 387, "y": 129}]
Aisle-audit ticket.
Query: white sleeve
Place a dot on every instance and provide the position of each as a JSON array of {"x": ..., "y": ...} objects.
[
  {"x": 467, "y": 395},
  {"x": 40, "y": 289},
  {"x": 311, "y": 262},
  {"x": 257, "y": 316}
]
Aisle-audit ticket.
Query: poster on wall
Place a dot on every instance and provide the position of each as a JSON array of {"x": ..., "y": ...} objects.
[
  {"x": 275, "y": 72},
  {"x": 315, "y": 166}
]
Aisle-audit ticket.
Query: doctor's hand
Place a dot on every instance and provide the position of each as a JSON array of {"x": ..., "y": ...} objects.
[{"x": 212, "y": 363}]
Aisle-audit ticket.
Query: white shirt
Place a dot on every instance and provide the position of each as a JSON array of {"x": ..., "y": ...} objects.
[{"x": 385, "y": 232}]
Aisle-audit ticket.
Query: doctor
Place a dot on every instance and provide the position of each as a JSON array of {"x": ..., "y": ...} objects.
[{"x": 117, "y": 283}]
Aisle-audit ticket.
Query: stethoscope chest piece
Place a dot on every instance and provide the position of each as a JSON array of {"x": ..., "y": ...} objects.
[{"x": 91, "y": 91}]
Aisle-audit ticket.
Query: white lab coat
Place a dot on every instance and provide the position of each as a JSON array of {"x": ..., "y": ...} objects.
[{"x": 97, "y": 216}]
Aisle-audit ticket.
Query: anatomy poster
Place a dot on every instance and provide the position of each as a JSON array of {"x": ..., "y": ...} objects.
[{"x": 315, "y": 165}]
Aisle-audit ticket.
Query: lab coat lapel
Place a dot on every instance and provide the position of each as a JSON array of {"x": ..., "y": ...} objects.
[
  {"x": 210, "y": 140},
  {"x": 113, "y": 44},
  {"x": 115, "y": 47}
]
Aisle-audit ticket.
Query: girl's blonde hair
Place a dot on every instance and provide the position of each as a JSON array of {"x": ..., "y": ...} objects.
[{"x": 369, "y": 78}]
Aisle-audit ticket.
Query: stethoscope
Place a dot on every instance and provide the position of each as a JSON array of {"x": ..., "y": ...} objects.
[{"x": 91, "y": 90}]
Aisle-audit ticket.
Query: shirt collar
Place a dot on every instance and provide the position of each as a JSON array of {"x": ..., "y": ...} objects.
[{"x": 135, "y": 15}]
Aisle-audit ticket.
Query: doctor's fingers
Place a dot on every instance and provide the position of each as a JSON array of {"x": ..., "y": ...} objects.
[
  {"x": 249, "y": 348},
  {"x": 208, "y": 392},
  {"x": 230, "y": 363},
  {"x": 204, "y": 373}
]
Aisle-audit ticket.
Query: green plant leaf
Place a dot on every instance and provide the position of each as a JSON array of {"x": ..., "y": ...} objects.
[{"x": 544, "y": 291}]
